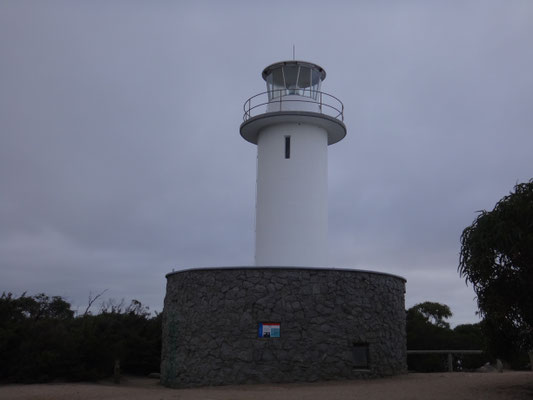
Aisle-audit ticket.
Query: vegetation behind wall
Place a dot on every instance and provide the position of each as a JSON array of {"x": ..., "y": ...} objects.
[{"x": 41, "y": 339}]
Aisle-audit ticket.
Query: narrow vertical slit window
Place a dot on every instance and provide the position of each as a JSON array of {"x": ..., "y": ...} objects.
[{"x": 287, "y": 147}]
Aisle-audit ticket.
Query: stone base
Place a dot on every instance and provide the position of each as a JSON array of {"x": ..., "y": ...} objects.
[{"x": 334, "y": 324}]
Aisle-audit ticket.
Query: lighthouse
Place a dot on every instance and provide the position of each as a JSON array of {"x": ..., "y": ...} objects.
[
  {"x": 292, "y": 123},
  {"x": 289, "y": 317}
]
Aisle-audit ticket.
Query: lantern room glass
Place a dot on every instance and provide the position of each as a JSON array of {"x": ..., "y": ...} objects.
[{"x": 293, "y": 79}]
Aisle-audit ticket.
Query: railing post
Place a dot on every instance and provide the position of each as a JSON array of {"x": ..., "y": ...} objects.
[{"x": 450, "y": 362}]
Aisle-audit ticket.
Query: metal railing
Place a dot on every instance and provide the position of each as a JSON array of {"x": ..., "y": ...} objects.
[
  {"x": 327, "y": 103},
  {"x": 449, "y": 353}
]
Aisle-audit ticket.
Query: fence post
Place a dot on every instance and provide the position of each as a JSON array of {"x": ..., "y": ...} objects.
[
  {"x": 116, "y": 371},
  {"x": 450, "y": 362}
]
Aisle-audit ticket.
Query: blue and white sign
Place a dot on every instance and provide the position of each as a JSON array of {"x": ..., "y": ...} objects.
[{"x": 269, "y": 330}]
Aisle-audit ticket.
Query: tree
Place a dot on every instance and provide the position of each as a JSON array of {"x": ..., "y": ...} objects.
[
  {"x": 41, "y": 339},
  {"x": 435, "y": 313},
  {"x": 34, "y": 337},
  {"x": 427, "y": 330},
  {"x": 497, "y": 259}
]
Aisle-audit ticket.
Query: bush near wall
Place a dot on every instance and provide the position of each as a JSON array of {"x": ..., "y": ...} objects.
[
  {"x": 41, "y": 340},
  {"x": 427, "y": 329}
]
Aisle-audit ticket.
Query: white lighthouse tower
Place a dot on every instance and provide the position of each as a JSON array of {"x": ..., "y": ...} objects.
[
  {"x": 264, "y": 337},
  {"x": 292, "y": 124}
]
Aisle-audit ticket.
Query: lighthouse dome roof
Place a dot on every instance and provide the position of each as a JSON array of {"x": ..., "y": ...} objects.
[{"x": 294, "y": 63}]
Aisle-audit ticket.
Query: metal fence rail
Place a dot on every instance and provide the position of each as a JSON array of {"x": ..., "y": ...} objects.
[{"x": 450, "y": 354}]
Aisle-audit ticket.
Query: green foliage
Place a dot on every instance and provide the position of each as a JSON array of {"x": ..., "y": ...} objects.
[
  {"x": 41, "y": 340},
  {"x": 497, "y": 258},
  {"x": 434, "y": 313},
  {"x": 469, "y": 337},
  {"x": 428, "y": 330}
]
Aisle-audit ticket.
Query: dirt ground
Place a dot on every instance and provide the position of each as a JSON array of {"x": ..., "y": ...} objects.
[{"x": 438, "y": 386}]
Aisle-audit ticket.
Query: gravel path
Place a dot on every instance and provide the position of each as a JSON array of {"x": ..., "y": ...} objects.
[{"x": 438, "y": 386}]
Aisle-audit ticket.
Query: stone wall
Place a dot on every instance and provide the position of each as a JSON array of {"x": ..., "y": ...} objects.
[{"x": 335, "y": 324}]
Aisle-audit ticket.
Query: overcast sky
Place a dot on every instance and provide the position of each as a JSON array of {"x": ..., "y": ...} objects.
[{"x": 121, "y": 159}]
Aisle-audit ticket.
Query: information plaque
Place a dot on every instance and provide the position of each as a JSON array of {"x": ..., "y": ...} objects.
[{"x": 269, "y": 330}]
